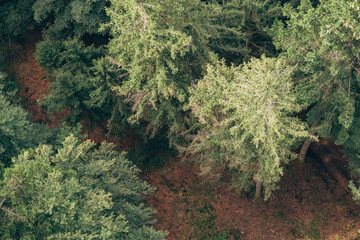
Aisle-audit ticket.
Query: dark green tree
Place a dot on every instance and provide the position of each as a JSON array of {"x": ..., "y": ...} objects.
[
  {"x": 241, "y": 26},
  {"x": 16, "y": 18},
  {"x": 70, "y": 17},
  {"x": 16, "y": 129},
  {"x": 69, "y": 63}
]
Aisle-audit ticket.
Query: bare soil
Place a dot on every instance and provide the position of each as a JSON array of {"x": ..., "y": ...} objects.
[{"x": 310, "y": 204}]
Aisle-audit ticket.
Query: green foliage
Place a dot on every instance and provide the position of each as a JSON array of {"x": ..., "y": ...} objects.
[
  {"x": 16, "y": 18},
  {"x": 165, "y": 47},
  {"x": 78, "y": 192},
  {"x": 70, "y": 16},
  {"x": 83, "y": 81},
  {"x": 351, "y": 148},
  {"x": 16, "y": 130},
  {"x": 247, "y": 119},
  {"x": 9, "y": 88},
  {"x": 69, "y": 63},
  {"x": 241, "y": 26},
  {"x": 152, "y": 41},
  {"x": 323, "y": 42}
]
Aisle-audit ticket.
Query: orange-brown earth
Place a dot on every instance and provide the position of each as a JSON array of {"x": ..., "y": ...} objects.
[
  {"x": 34, "y": 84},
  {"x": 310, "y": 203}
]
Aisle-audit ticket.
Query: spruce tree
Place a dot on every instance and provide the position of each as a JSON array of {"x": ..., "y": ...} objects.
[
  {"x": 164, "y": 48},
  {"x": 322, "y": 42},
  {"x": 80, "y": 191},
  {"x": 70, "y": 17},
  {"x": 247, "y": 120},
  {"x": 16, "y": 129}
]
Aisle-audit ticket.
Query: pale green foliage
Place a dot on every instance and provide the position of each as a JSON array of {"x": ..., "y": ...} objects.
[
  {"x": 324, "y": 44},
  {"x": 152, "y": 40},
  {"x": 165, "y": 47},
  {"x": 246, "y": 116},
  {"x": 355, "y": 190},
  {"x": 78, "y": 192}
]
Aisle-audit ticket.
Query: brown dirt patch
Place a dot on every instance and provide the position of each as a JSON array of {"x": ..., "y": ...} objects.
[
  {"x": 34, "y": 84},
  {"x": 309, "y": 205},
  {"x": 32, "y": 80}
]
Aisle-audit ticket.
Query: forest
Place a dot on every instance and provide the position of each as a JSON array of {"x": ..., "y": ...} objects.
[{"x": 180, "y": 119}]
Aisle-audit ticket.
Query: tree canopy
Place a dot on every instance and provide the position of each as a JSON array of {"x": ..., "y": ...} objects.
[
  {"x": 77, "y": 192},
  {"x": 17, "y": 132},
  {"x": 245, "y": 86},
  {"x": 247, "y": 117}
]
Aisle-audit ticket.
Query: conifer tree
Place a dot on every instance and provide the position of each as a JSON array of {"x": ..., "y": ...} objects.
[
  {"x": 65, "y": 18},
  {"x": 323, "y": 43},
  {"x": 165, "y": 46},
  {"x": 247, "y": 120},
  {"x": 16, "y": 18},
  {"x": 70, "y": 63},
  {"x": 77, "y": 192},
  {"x": 16, "y": 129}
]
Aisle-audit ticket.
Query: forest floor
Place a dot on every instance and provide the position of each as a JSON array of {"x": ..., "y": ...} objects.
[{"x": 309, "y": 204}]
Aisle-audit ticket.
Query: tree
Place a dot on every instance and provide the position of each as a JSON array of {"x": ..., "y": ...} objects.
[
  {"x": 16, "y": 130},
  {"x": 70, "y": 63},
  {"x": 65, "y": 18},
  {"x": 83, "y": 81},
  {"x": 323, "y": 43},
  {"x": 165, "y": 46},
  {"x": 79, "y": 192},
  {"x": 156, "y": 52},
  {"x": 247, "y": 120},
  {"x": 16, "y": 18},
  {"x": 241, "y": 25}
]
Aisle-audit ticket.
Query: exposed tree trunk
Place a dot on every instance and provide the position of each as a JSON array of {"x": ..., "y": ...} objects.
[
  {"x": 305, "y": 147},
  {"x": 326, "y": 153},
  {"x": 331, "y": 168},
  {"x": 258, "y": 189}
]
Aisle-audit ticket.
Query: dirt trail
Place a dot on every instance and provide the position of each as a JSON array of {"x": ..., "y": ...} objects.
[{"x": 310, "y": 204}]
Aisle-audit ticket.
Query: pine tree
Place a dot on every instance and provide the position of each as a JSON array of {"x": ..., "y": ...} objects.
[
  {"x": 247, "y": 120},
  {"x": 323, "y": 43},
  {"x": 65, "y": 18},
  {"x": 78, "y": 192},
  {"x": 16, "y": 130}
]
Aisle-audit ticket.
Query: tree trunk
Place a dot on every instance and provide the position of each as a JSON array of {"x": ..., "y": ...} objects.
[
  {"x": 343, "y": 182},
  {"x": 305, "y": 147},
  {"x": 258, "y": 189}
]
